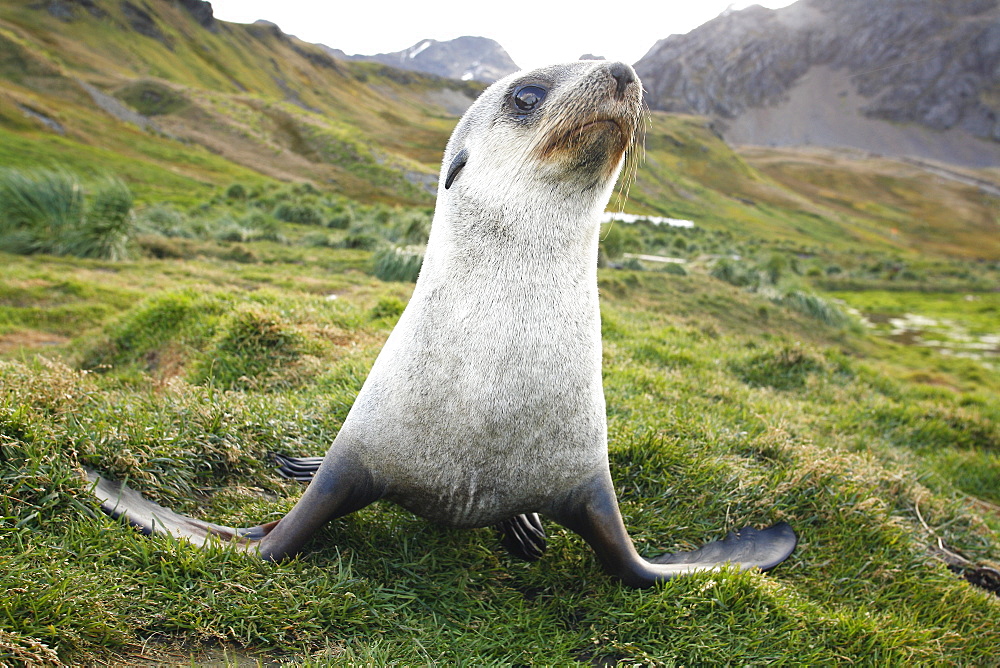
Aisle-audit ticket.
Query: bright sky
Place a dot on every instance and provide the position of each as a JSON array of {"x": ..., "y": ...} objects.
[{"x": 534, "y": 33}]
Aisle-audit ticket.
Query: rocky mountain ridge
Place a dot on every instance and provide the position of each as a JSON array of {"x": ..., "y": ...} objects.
[
  {"x": 901, "y": 77},
  {"x": 463, "y": 58}
]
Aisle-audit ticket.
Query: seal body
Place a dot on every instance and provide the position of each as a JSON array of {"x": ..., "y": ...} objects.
[
  {"x": 486, "y": 404},
  {"x": 492, "y": 377}
]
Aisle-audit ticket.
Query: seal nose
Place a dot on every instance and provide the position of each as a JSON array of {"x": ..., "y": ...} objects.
[{"x": 623, "y": 75}]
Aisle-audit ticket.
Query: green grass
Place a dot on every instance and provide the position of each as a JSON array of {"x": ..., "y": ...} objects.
[
  {"x": 724, "y": 409},
  {"x": 398, "y": 264}
]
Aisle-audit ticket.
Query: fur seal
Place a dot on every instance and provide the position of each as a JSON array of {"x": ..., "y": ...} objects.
[{"x": 486, "y": 405}]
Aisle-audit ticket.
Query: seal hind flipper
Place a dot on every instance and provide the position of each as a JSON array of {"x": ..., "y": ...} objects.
[
  {"x": 297, "y": 468},
  {"x": 339, "y": 487},
  {"x": 591, "y": 510},
  {"x": 766, "y": 548},
  {"x": 523, "y": 536},
  {"x": 120, "y": 501}
]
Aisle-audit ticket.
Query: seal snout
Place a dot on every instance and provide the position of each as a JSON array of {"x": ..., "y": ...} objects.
[{"x": 623, "y": 76}]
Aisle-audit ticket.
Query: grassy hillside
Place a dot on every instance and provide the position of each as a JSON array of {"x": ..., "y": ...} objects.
[
  {"x": 175, "y": 107},
  {"x": 820, "y": 201},
  {"x": 725, "y": 408},
  {"x": 280, "y": 206},
  {"x": 211, "y": 105}
]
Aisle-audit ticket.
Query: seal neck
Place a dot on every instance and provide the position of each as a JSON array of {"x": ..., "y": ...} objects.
[{"x": 547, "y": 243}]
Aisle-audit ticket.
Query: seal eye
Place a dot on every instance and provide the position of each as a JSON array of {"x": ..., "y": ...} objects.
[{"x": 526, "y": 98}]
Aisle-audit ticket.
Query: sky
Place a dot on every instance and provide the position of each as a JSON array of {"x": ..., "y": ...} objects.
[{"x": 534, "y": 33}]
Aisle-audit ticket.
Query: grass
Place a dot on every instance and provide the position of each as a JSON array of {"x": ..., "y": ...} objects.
[
  {"x": 50, "y": 212},
  {"x": 398, "y": 264},
  {"x": 725, "y": 408}
]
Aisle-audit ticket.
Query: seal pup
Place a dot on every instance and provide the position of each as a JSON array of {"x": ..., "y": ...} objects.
[{"x": 486, "y": 402}]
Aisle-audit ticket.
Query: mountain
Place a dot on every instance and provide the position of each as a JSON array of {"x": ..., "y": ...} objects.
[
  {"x": 165, "y": 92},
  {"x": 464, "y": 58},
  {"x": 916, "y": 78}
]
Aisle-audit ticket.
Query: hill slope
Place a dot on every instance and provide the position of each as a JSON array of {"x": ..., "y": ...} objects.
[
  {"x": 177, "y": 103},
  {"x": 159, "y": 83}
]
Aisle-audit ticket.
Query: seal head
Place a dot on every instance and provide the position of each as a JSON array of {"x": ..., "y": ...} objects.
[{"x": 566, "y": 126}]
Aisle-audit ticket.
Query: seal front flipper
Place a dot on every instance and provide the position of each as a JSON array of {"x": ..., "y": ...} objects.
[
  {"x": 119, "y": 501},
  {"x": 523, "y": 536},
  {"x": 764, "y": 548},
  {"x": 591, "y": 510}
]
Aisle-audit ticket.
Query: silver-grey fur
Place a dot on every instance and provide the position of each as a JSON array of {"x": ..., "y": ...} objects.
[{"x": 487, "y": 396}]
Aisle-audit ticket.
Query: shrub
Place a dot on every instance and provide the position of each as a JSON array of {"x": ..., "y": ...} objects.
[
  {"x": 734, "y": 273},
  {"x": 230, "y": 230},
  {"x": 413, "y": 227},
  {"x": 815, "y": 307},
  {"x": 166, "y": 221},
  {"x": 776, "y": 267},
  {"x": 361, "y": 241},
  {"x": 37, "y": 209},
  {"x": 399, "y": 264},
  {"x": 262, "y": 227},
  {"x": 236, "y": 191},
  {"x": 617, "y": 239},
  {"x": 675, "y": 268},
  {"x": 340, "y": 220},
  {"x": 303, "y": 214},
  {"x": 107, "y": 227},
  {"x": 251, "y": 344},
  {"x": 46, "y": 211}
]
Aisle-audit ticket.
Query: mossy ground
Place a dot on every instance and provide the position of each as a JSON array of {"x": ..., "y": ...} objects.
[{"x": 725, "y": 409}]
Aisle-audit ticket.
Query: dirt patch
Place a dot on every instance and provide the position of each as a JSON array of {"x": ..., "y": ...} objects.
[{"x": 29, "y": 339}]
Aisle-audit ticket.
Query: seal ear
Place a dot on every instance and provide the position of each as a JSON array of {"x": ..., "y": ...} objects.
[{"x": 456, "y": 167}]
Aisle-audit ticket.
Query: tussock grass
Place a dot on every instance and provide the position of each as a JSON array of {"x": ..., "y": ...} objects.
[
  {"x": 48, "y": 211},
  {"x": 399, "y": 264}
]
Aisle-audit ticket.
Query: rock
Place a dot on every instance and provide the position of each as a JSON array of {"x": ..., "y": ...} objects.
[
  {"x": 202, "y": 13},
  {"x": 65, "y": 10},
  {"x": 925, "y": 62},
  {"x": 143, "y": 22}
]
